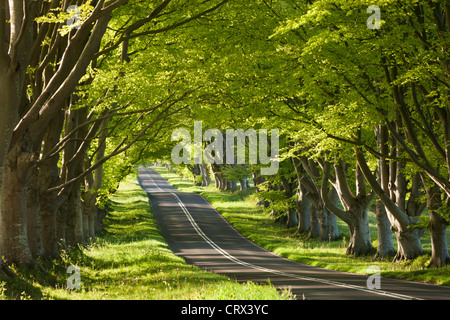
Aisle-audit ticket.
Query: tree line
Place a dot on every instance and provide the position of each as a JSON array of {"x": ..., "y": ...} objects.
[
  {"x": 362, "y": 113},
  {"x": 74, "y": 96}
]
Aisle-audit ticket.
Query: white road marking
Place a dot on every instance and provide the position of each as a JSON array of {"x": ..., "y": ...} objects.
[{"x": 273, "y": 271}]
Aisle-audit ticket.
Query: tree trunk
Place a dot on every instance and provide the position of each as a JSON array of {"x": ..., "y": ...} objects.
[
  {"x": 243, "y": 184},
  {"x": 74, "y": 218},
  {"x": 437, "y": 228},
  {"x": 292, "y": 220},
  {"x": 34, "y": 230},
  {"x": 61, "y": 218},
  {"x": 218, "y": 176},
  {"x": 360, "y": 241},
  {"x": 408, "y": 241},
  {"x": 333, "y": 230},
  {"x": 50, "y": 239},
  {"x": 49, "y": 177},
  {"x": 13, "y": 211},
  {"x": 315, "y": 208},
  {"x": 89, "y": 207},
  {"x": 303, "y": 211},
  {"x": 385, "y": 246},
  {"x": 439, "y": 249},
  {"x": 355, "y": 207},
  {"x": 204, "y": 170},
  {"x": 330, "y": 232}
]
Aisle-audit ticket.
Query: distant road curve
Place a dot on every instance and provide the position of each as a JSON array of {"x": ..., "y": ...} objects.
[{"x": 195, "y": 231}]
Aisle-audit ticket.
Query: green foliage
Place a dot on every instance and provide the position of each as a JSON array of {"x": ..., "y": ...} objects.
[
  {"x": 237, "y": 172},
  {"x": 57, "y": 16}
]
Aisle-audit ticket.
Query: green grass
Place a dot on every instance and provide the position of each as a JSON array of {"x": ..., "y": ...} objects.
[
  {"x": 240, "y": 209},
  {"x": 129, "y": 260}
]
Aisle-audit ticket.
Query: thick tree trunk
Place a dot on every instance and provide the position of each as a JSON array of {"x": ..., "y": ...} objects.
[
  {"x": 439, "y": 249},
  {"x": 360, "y": 241},
  {"x": 385, "y": 246},
  {"x": 355, "y": 207},
  {"x": 315, "y": 208},
  {"x": 49, "y": 212},
  {"x": 333, "y": 233},
  {"x": 34, "y": 230},
  {"x": 437, "y": 227},
  {"x": 408, "y": 241},
  {"x": 74, "y": 218},
  {"x": 14, "y": 206},
  {"x": 292, "y": 220},
  {"x": 49, "y": 177},
  {"x": 72, "y": 167},
  {"x": 243, "y": 184}
]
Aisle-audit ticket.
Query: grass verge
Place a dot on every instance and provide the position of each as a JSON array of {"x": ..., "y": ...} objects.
[
  {"x": 240, "y": 209},
  {"x": 129, "y": 260}
]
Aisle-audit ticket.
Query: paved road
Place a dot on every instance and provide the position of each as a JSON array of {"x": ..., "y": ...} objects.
[{"x": 195, "y": 231}]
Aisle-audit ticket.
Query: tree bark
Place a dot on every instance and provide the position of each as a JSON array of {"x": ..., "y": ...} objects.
[
  {"x": 385, "y": 246},
  {"x": 303, "y": 211},
  {"x": 355, "y": 208},
  {"x": 316, "y": 206},
  {"x": 34, "y": 230},
  {"x": 49, "y": 177},
  {"x": 360, "y": 241},
  {"x": 302, "y": 204},
  {"x": 243, "y": 184},
  {"x": 437, "y": 226},
  {"x": 331, "y": 232},
  {"x": 74, "y": 217},
  {"x": 14, "y": 206},
  {"x": 204, "y": 171},
  {"x": 408, "y": 239}
]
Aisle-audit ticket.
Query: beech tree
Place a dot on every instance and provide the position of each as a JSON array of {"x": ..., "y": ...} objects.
[
  {"x": 340, "y": 88},
  {"x": 43, "y": 61},
  {"x": 362, "y": 78}
]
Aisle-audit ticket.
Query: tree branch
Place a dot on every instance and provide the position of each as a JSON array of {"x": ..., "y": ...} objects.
[{"x": 344, "y": 215}]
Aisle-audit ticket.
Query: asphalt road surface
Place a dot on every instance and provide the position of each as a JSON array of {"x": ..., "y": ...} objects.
[{"x": 195, "y": 231}]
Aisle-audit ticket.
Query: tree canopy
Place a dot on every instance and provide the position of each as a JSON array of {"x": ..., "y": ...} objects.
[{"x": 89, "y": 89}]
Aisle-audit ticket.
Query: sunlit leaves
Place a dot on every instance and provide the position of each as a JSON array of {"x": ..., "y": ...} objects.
[{"x": 78, "y": 13}]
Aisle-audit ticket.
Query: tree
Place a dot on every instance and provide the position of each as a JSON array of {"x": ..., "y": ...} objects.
[
  {"x": 359, "y": 79},
  {"x": 42, "y": 64}
]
